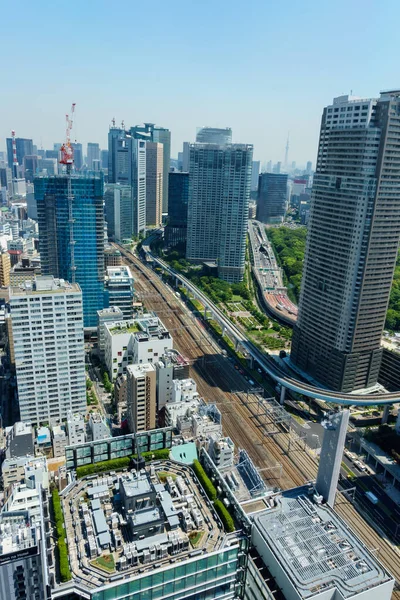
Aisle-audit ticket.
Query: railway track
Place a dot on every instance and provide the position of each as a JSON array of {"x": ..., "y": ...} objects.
[{"x": 241, "y": 421}]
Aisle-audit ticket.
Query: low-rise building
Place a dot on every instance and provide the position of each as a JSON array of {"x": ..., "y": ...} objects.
[
  {"x": 107, "y": 315},
  {"x": 137, "y": 341},
  {"x": 19, "y": 440},
  {"x": 43, "y": 440},
  {"x": 221, "y": 451},
  {"x": 119, "y": 288},
  {"x": 170, "y": 366},
  {"x": 98, "y": 427},
  {"x": 75, "y": 428},
  {"x": 17, "y": 470},
  {"x": 60, "y": 441}
]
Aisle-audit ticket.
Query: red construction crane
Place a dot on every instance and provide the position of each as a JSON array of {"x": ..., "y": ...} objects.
[{"x": 66, "y": 150}]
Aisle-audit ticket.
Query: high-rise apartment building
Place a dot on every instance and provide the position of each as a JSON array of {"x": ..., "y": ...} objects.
[
  {"x": 48, "y": 347},
  {"x": 214, "y": 135},
  {"x": 118, "y": 203},
  {"x": 178, "y": 198},
  {"x": 5, "y": 267},
  {"x": 352, "y": 243},
  {"x": 271, "y": 198},
  {"x": 127, "y": 165},
  {"x": 24, "y": 147},
  {"x": 120, "y": 289},
  {"x": 141, "y": 397},
  {"x": 154, "y": 183},
  {"x": 71, "y": 234},
  {"x": 161, "y": 135},
  {"x": 93, "y": 153},
  {"x": 219, "y": 193}
]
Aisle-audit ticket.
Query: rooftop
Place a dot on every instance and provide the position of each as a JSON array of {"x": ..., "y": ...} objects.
[
  {"x": 314, "y": 548},
  {"x": 16, "y": 533},
  {"x": 168, "y": 511},
  {"x": 44, "y": 284}
]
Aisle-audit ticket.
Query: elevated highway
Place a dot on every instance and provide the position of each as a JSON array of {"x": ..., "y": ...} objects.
[{"x": 265, "y": 361}]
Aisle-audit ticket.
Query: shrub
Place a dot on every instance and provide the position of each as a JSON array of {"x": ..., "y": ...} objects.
[
  {"x": 62, "y": 552},
  {"x": 224, "y": 515},
  {"x": 205, "y": 481},
  {"x": 101, "y": 467}
]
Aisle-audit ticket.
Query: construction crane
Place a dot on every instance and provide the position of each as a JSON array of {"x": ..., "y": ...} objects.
[
  {"x": 66, "y": 150},
  {"x": 14, "y": 151},
  {"x": 67, "y": 158}
]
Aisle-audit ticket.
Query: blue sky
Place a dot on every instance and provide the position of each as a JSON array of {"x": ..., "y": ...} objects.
[{"x": 264, "y": 68}]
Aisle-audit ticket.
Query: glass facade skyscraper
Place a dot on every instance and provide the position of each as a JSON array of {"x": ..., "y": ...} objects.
[
  {"x": 271, "y": 198},
  {"x": 71, "y": 235},
  {"x": 178, "y": 197}
]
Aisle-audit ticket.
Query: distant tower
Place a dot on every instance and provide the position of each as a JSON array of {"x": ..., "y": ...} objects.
[
  {"x": 14, "y": 154},
  {"x": 287, "y": 152},
  {"x": 331, "y": 455}
]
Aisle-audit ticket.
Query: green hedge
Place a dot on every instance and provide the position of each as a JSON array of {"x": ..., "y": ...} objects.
[
  {"x": 119, "y": 463},
  {"x": 205, "y": 481},
  {"x": 224, "y": 515},
  {"x": 102, "y": 467},
  {"x": 62, "y": 552}
]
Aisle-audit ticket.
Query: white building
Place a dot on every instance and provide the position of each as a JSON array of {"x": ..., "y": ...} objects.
[
  {"x": 76, "y": 428},
  {"x": 120, "y": 290},
  {"x": 170, "y": 366},
  {"x": 137, "y": 341},
  {"x": 184, "y": 390},
  {"x": 99, "y": 427},
  {"x": 60, "y": 441},
  {"x": 175, "y": 412},
  {"x": 23, "y": 468},
  {"x": 47, "y": 339},
  {"x": 107, "y": 315},
  {"x": 221, "y": 451}
]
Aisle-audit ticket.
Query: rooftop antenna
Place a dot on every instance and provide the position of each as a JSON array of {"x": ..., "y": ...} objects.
[
  {"x": 113, "y": 121},
  {"x": 122, "y": 124}
]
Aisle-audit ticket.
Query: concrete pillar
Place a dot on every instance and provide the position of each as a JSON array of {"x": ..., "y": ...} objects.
[
  {"x": 205, "y": 313},
  {"x": 237, "y": 344},
  {"x": 283, "y": 395},
  {"x": 398, "y": 423},
  {"x": 251, "y": 362},
  {"x": 385, "y": 415}
]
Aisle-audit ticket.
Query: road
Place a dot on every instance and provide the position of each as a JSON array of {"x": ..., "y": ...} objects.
[{"x": 243, "y": 421}]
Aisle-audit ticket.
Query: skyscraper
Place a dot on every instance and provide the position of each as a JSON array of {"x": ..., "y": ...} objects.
[
  {"x": 154, "y": 183},
  {"x": 71, "y": 234},
  {"x": 24, "y": 148},
  {"x": 118, "y": 204},
  {"x": 271, "y": 198},
  {"x": 78, "y": 156},
  {"x": 352, "y": 243},
  {"x": 104, "y": 159},
  {"x": 219, "y": 192},
  {"x": 47, "y": 343},
  {"x": 154, "y": 133},
  {"x": 93, "y": 153},
  {"x": 178, "y": 197},
  {"x": 255, "y": 171},
  {"x": 127, "y": 165},
  {"x": 214, "y": 135}
]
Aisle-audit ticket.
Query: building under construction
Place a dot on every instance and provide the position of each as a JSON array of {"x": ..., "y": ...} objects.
[{"x": 71, "y": 232}]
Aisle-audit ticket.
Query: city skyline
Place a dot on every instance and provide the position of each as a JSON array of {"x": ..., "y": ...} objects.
[{"x": 277, "y": 85}]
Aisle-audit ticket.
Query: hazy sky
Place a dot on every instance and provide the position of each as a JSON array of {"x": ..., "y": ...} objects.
[{"x": 263, "y": 68}]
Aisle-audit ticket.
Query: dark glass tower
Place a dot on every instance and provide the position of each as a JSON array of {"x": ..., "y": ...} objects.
[
  {"x": 71, "y": 235},
  {"x": 178, "y": 196},
  {"x": 352, "y": 243},
  {"x": 271, "y": 198}
]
